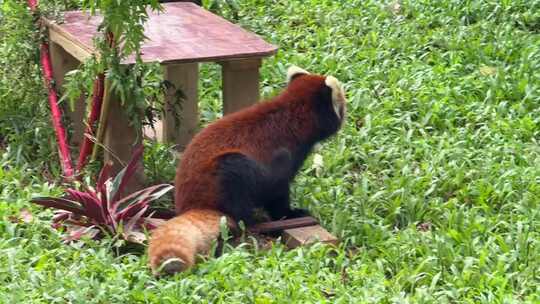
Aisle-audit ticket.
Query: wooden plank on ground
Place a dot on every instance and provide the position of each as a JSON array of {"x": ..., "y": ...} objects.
[
  {"x": 307, "y": 235},
  {"x": 276, "y": 226}
]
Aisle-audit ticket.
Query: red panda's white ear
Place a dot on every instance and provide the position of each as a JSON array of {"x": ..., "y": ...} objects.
[
  {"x": 338, "y": 95},
  {"x": 294, "y": 71}
]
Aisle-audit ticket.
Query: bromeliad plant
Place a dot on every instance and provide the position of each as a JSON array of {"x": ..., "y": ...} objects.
[{"x": 103, "y": 209}]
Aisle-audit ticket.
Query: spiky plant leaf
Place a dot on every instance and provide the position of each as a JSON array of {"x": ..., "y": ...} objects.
[
  {"x": 103, "y": 208},
  {"x": 91, "y": 204},
  {"x": 60, "y": 203},
  {"x": 122, "y": 179}
]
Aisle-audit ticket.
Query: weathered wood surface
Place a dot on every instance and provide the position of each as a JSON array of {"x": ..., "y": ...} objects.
[
  {"x": 120, "y": 140},
  {"x": 184, "y": 77},
  {"x": 307, "y": 235},
  {"x": 183, "y": 33},
  {"x": 240, "y": 84},
  {"x": 276, "y": 226}
]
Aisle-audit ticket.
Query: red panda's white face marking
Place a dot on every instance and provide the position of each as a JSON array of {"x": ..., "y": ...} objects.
[{"x": 338, "y": 96}]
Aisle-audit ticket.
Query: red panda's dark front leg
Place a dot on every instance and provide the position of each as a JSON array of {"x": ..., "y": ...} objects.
[
  {"x": 242, "y": 180},
  {"x": 278, "y": 206},
  {"x": 276, "y": 195},
  {"x": 246, "y": 184}
]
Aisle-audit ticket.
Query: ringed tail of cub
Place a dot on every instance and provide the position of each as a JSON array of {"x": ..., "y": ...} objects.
[{"x": 175, "y": 245}]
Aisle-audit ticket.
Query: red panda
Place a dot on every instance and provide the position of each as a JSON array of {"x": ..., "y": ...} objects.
[{"x": 243, "y": 161}]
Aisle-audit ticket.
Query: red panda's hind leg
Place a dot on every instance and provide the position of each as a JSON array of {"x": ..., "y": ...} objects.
[{"x": 281, "y": 166}]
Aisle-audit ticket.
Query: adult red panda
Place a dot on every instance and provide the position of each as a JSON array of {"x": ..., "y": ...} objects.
[{"x": 243, "y": 161}]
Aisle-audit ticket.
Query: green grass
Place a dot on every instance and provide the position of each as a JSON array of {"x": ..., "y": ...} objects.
[{"x": 433, "y": 185}]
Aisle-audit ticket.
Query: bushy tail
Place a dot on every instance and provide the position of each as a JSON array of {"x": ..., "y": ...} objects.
[{"x": 175, "y": 244}]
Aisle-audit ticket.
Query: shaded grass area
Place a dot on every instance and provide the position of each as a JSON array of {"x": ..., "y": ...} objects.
[{"x": 433, "y": 184}]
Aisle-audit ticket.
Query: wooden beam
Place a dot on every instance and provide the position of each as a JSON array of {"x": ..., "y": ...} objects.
[
  {"x": 240, "y": 83},
  {"x": 277, "y": 226},
  {"x": 74, "y": 47},
  {"x": 184, "y": 77},
  {"x": 307, "y": 235}
]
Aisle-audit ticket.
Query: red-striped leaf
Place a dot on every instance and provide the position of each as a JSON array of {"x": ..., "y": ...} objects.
[
  {"x": 104, "y": 175},
  {"x": 132, "y": 210},
  {"x": 150, "y": 193},
  {"x": 122, "y": 179},
  {"x": 77, "y": 232},
  {"x": 146, "y": 196},
  {"x": 60, "y": 203},
  {"x": 132, "y": 222},
  {"x": 91, "y": 204}
]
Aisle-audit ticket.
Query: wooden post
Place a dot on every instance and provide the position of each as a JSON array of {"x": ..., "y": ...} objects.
[
  {"x": 120, "y": 141},
  {"x": 186, "y": 78},
  {"x": 62, "y": 63},
  {"x": 240, "y": 83}
]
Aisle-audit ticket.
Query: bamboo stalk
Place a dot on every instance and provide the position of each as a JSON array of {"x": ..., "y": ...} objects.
[
  {"x": 103, "y": 118},
  {"x": 95, "y": 111},
  {"x": 104, "y": 115},
  {"x": 56, "y": 112}
]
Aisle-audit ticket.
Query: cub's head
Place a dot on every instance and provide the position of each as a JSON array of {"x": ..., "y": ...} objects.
[{"x": 324, "y": 94}]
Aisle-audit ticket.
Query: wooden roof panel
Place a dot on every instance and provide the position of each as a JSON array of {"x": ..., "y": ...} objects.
[{"x": 183, "y": 32}]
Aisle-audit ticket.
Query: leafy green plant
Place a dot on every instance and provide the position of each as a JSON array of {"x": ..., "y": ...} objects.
[
  {"x": 160, "y": 161},
  {"x": 104, "y": 209},
  {"x": 121, "y": 34},
  {"x": 223, "y": 7},
  {"x": 25, "y": 131},
  {"x": 432, "y": 185}
]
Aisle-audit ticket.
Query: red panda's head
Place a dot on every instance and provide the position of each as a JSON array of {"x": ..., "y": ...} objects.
[{"x": 324, "y": 93}]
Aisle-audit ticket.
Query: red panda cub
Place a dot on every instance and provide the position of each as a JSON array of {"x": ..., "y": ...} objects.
[{"x": 243, "y": 161}]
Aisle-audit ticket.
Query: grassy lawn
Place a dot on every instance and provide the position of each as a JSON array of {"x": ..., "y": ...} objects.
[{"x": 433, "y": 185}]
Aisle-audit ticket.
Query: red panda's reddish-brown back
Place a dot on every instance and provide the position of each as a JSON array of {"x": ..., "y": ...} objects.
[
  {"x": 252, "y": 155},
  {"x": 245, "y": 131},
  {"x": 255, "y": 131}
]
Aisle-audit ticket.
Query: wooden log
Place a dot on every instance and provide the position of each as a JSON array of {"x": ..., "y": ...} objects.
[
  {"x": 277, "y": 226},
  {"x": 307, "y": 235}
]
